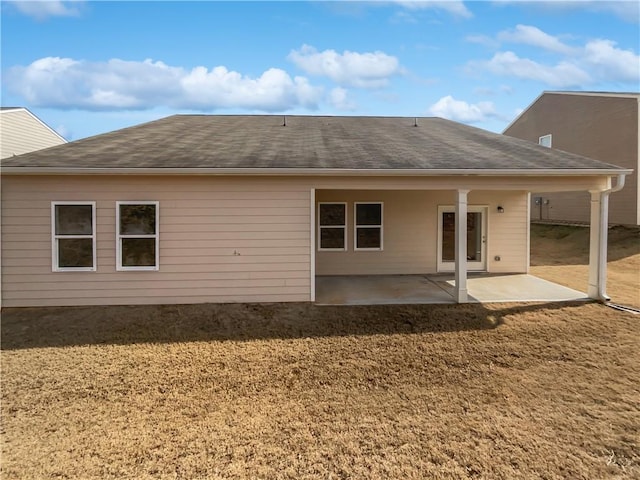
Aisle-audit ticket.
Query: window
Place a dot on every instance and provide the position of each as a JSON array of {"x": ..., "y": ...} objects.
[
  {"x": 73, "y": 227},
  {"x": 368, "y": 226},
  {"x": 332, "y": 226},
  {"x": 137, "y": 235},
  {"x": 545, "y": 141}
]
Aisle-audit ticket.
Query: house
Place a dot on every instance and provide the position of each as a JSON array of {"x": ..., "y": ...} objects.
[
  {"x": 22, "y": 132},
  {"x": 201, "y": 208},
  {"x": 599, "y": 125}
]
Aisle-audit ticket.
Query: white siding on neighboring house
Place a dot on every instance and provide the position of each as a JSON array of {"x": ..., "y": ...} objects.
[{"x": 22, "y": 132}]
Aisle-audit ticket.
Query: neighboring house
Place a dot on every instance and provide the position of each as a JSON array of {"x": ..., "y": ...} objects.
[
  {"x": 603, "y": 126},
  {"x": 197, "y": 208},
  {"x": 22, "y": 132}
]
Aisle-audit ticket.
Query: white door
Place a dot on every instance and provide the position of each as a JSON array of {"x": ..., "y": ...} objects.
[{"x": 476, "y": 238}]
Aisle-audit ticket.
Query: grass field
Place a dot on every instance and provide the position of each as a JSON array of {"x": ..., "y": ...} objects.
[{"x": 304, "y": 392}]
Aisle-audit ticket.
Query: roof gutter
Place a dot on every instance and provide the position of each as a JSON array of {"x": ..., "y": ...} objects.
[{"x": 310, "y": 171}]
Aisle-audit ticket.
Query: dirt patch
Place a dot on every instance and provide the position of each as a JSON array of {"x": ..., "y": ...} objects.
[
  {"x": 560, "y": 253},
  {"x": 569, "y": 245},
  {"x": 297, "y": 391}
]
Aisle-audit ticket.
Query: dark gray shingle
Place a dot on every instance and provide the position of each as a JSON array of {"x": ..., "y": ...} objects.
[{"x": 317, "y": 142}]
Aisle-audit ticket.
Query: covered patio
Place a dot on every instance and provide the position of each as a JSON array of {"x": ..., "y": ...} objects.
[
  {"x": 438, "y": 288},
  {"x": 430, "y": 242}
]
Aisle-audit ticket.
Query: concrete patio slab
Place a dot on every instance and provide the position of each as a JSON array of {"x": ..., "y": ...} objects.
[
  {"x": 379, "y": 290},
  {"x": 515, "y": 288},
  {"x": 425, "y": 289}
]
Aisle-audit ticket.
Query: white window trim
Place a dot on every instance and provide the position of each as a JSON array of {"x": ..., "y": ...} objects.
[
  {"x": 356, "y": 226},
  {"x": 55, "y": 237},
  {"x": 549, "y": 136},
  {"x": 344, "y": 228},
  {"x": 119, "y": 266}
]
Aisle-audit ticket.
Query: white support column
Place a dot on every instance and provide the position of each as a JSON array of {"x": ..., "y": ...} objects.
[
  {"x": 599, "y": 238},
  {"x": 598, "y": 241},
  {"x": 594, "y": 244},
  {"x": 604, "y": 240},
  {"x": 460, "y": 291},
  {"x": 528, "y": 232},
  {"x": 312, "y": 242}
]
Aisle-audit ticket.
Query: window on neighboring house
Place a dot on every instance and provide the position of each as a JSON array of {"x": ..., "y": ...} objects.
[
  {"x": 332, "y": 226},
  {"x": 73, "y": 236},
  {"x": 368, "y": 226},
  {"x": 137, "y": 235},
  {"x": 545, "y": 141}
]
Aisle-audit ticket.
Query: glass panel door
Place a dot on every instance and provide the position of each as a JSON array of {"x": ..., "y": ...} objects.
[{"x": 476, "y": 239}]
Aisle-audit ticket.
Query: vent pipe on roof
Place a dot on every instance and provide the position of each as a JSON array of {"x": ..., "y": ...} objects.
[
  {"x": 415, "y": 122},
  {"x": 284, "y": 120}
]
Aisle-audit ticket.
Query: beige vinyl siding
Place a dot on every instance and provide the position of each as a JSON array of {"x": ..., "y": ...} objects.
[
  {"x": 221, "y": 240},
  {"x": 21, "y": 132},
  {"x": 507, "y": 232},
  {"x": 266, "y": 220},
  {"x": 408, "y": 246},
  {"x": 411, "y": 232}
]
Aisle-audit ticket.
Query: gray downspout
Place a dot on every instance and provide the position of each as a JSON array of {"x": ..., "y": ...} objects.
[{"x": 604, "y": 230}]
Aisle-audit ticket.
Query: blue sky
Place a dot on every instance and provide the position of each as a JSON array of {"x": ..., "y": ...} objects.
[{"x": 90, "y": 67}]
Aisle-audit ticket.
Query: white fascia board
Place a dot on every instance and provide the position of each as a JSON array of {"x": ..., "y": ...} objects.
[{"x": 339, "y": 172}]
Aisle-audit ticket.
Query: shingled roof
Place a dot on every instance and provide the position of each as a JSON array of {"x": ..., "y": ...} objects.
[{"x": 305, "y": 142}]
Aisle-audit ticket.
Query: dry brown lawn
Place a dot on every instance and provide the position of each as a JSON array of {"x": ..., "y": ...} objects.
[{"x": 304, "y": 392}]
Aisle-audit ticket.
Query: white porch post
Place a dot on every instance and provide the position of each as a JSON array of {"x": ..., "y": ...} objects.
[
  {"x": 312, "y": 242},
  {"x": 594, "y": 244},
  {"x": 598, "y": 245},
  {"x": 460, "y": 291}
]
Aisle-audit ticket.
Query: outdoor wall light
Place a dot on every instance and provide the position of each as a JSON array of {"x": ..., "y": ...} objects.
[{"x": 500, "y": 209}]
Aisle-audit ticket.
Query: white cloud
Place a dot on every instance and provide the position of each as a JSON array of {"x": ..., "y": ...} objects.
[
  {"x": 563, "y": 74},
  {"x": 119, "y": 84},
  {"x": 484, "y": 91},
  {"x": 41, "y": 10},
  {"x": 577, "y": 66},
  {"x": 530, "y": 35},
  {"x": 63, "y": 131},
  {"x": 273, "y": 90},
  {"x": 403, "y": 17},
  {"x": 488, "y": 91},
  {"x": 483, "y": 40},
  {"x": 461, "y": 111},
  {"x": 611, "y": 62},
  {"x": 339, "y": 98},
  {"x": 628, "y": 10},
  {"x": 363, "y": 70},
  {"x": 456, "y": 8}
]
